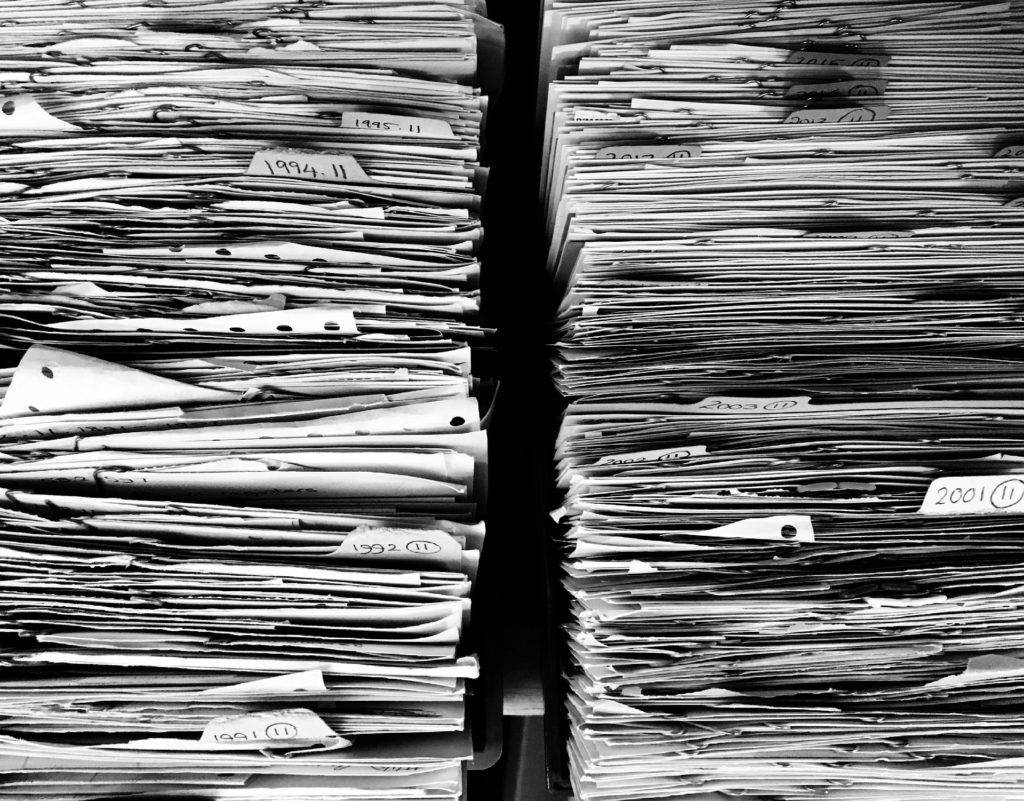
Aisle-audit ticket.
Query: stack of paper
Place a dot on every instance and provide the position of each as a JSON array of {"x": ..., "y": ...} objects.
[
  {"x": 242, "y": 443},
  {"x": 786, "y": 243}
]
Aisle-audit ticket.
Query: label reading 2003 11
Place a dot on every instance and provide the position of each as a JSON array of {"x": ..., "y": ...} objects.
[{"x": 975, "y": 495}]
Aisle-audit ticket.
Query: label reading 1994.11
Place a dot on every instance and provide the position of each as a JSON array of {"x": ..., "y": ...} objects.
[{"x": 307, "y": 165}]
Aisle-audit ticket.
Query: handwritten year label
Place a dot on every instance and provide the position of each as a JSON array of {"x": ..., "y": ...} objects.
[
  {"x": 279, "y": 728},
  {"x": 658, "y": 455},
  {"x": 397, "y": 124},
  {"x": 307, "y": 165},
  {"x": 863, "y": 88},
  {"x": 727, "y": 405},
  {"x": 975, "y": 495},
  {"x": 817, "y": 116},
  {"x": 894, "y": 234},
  {"x": 1010, "y": 152},
  {"x": 647, "y": 152},
  {"x": 819, "y": 58},
  {"x": 402, "y": 544}
]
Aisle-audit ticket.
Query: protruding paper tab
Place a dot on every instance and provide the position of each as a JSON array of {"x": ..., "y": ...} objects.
[
  {"x": 308, "y": 165},
  {"x": 306, "y": 681},
  {"x": 21, "y": 113},
  {"x": 322, "y": 320},
  {"x": 51, "y": 381},
  {"x": 594, "y": 115},
  {"x": 397, "y": 124},
  {"x": 782, "y": 528},
  {"x": 282, "y": 728},
  {"x": 649, "y": 152},
  {"x": 1010, "y": 152},
  {"x": 975, "y": 495}
]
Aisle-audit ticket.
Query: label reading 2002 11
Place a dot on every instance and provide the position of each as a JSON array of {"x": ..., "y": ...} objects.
[{"x": 975, "y": 495}]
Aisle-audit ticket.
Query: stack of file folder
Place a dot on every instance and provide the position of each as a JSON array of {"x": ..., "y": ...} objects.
[
  {"x": 785, "y": 241},
  {"x": 243, "y": 455}
]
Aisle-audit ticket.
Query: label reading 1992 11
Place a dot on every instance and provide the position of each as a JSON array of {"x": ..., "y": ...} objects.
[{"x": 975, "y": 495}]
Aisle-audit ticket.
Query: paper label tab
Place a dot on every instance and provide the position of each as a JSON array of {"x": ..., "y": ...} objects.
[
  {"x": 308, "y": 321},
  {"x": 281, "y": 728},
  {"x": 1010, "y": 152},
  {"x": 594, "y": 115},
  {"x": 430, "y": 546},
  {"x": 820, "y": 58},
  {"x": 19, "y": 113},
  {"x": 815, "y": 116},
  {"x": 308, "y": 165},
  {"x": 647, "y": 152},
  {"x": 782, "y": 528},
  {"x": 397, "y": 124},
  {"x": 306, "y": 681},
  {"x": 974, "y": 495},
  {"x": 658, "y": 455},
  {"x": 727, "y": 405},
  {"x": 863, "y": 88}
]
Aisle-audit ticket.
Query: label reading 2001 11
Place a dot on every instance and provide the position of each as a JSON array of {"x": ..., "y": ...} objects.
[{"x": 975, "y": 495}]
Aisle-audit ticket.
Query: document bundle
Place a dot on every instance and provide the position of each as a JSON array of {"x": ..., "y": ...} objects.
[
  {"x": 786, "y": 242},
  {"x": 243, "y": 456}
]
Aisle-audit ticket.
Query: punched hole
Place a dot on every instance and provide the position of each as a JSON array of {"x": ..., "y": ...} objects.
[
  {"x": 222, "y": 252},
  {"x": 271, "y": 256},
  {"x": 236, "y": 329},
  {"x": 329, "y": 326},
  {"x": 457, "y": 421},
  {"x": 33, "y": 409},
  {"x": 788, "y": 532},
  {"x": 8, "y": 107},
  {"x": 46, "y": 371},
  {"x": 284, "y": 328}
]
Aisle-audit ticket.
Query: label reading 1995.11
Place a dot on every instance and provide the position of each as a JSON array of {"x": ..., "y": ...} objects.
[{"x": 397, "y": 124}]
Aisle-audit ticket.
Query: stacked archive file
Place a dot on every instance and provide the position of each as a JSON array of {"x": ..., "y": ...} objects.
[
  {"x": 786, "y": 239},
  {"x": 242, "y": 443}
]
